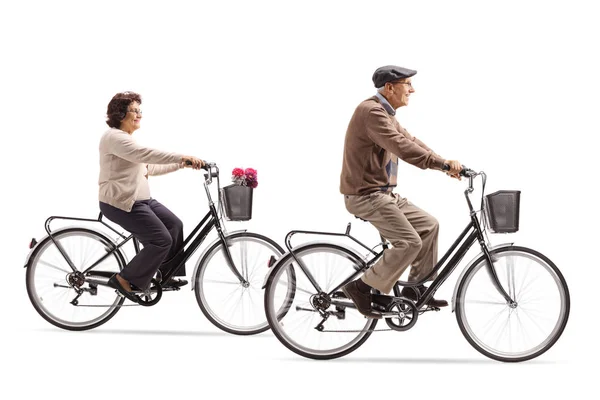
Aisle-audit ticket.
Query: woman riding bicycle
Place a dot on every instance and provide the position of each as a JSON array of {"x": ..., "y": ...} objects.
[{"x": 125, "y": 198}]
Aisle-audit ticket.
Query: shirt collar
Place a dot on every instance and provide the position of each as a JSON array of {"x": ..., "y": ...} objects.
[{"x": 388, "y": 107}]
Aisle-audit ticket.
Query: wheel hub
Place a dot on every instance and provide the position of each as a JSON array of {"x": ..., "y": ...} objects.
[
  {"x": 321, "y": 301},
  {"x": 75, "y": 279}
]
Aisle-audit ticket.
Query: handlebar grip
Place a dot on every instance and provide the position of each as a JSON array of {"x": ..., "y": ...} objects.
[
  {"x": 465, "y": 172},
  {"x": 204, "y": 167}
]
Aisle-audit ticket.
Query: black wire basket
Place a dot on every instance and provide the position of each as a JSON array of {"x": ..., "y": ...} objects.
[
  {"x": 237, "y": 202},
  {"x": 502, "y": 209}
]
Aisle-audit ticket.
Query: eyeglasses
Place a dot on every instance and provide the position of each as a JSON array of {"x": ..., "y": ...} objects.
[
  {"x": 404, "y": 83},
  {"x": 138, "y": 112}
]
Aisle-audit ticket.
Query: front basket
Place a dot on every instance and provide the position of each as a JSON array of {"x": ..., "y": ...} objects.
[
  {"x": 502, "y": 208},
  {"x": 237, "y": 202}
]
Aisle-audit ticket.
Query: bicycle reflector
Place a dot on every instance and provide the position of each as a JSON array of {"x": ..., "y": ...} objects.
[{"x": 32, "y": 243}]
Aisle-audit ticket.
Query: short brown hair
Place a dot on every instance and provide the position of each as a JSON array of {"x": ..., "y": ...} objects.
[{"x": 117, "y": 107}]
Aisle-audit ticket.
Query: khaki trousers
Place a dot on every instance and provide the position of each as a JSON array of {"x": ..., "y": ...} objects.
[{"x": 412, "y": 232}]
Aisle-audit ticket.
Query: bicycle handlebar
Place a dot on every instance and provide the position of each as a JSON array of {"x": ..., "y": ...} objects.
[
  {"x": 206, "y": 165},
  {"x": 465, "y": 172}
]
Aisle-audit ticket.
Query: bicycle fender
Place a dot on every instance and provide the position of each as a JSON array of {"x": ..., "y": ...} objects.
[
  {"x": 285, "y": 256},
  {"x": 206, "y": 251},
  {"x": 32, "y": 251},
  {"x": 464, "y": 271}
]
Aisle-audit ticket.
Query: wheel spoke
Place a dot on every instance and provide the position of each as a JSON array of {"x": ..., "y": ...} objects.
[{"x": 42, "y": 262}]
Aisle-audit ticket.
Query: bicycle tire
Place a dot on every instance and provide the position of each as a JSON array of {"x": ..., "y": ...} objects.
[
  {"x": 277, "y": 322},
  {"x": 556, "y": 285},
  {"x": 45, "y": 249},
  {"x": 209, "y": 307}
]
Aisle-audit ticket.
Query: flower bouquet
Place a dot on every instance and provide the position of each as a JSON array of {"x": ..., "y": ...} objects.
[
  {"x": 237, "y": 198},
  {"x": 245, "y": 177}
]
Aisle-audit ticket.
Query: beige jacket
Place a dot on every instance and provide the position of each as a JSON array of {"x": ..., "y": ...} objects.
[
  {"x": 374, "y": 141},
  {"x": 122, "y": 161}
]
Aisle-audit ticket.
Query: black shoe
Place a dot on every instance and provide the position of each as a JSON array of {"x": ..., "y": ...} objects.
[
  {"x": 114, "y": 283},
  {"x": 174, "y": 283},
  {"x": 361, "y": 300},
  {"x": 409, "y": 293}
]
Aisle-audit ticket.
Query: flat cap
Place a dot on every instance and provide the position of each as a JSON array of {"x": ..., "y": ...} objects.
[{"x": 390, "y": 73}]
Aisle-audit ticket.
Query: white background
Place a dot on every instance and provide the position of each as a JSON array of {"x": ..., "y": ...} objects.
[{"x": 510, "y": 88}]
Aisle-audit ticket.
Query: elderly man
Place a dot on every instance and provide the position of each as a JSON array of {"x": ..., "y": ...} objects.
[{"x": 374, "y": 142}]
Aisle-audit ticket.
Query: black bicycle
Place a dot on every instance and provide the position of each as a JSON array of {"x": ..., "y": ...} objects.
[
  {"x": 512, "y": 303},
  {"x": 68, "y": 270}
]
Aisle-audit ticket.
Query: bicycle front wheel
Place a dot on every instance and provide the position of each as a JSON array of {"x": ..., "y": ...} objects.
[
  {"x": 519, "y": 331},
  {"x": 67, "y": 298},
  {"x": 318, "y": 324},
  {"x": 226, "y": 302}
]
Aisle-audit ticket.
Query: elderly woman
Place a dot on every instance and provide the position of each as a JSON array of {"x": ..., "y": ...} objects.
[{"x": 125, "y": 198}]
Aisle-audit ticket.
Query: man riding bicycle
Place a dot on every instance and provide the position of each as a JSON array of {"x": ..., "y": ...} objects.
[{"x": 374, "y": 142}]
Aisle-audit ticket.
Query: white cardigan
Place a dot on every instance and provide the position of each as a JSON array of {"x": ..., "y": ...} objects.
[{"x": 122, "y": 161}]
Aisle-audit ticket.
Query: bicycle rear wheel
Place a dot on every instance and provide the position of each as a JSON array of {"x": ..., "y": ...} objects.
[
  {"x": 52, "y": 285},
  {"x": 223, "y": 299},
  {"x": 521, "y": 331},
  {"x": 303, "y": 327}
]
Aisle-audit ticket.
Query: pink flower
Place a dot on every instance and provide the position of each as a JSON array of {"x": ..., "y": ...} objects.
[
  {"x": 247, "y": 177},
  {"x": 238, "y": 172}
]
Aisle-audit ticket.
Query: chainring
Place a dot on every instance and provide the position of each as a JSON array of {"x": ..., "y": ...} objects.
[{"x": 407, "y": 314}]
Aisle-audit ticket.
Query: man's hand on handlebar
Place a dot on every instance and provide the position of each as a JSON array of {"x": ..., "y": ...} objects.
[
  {"x": 192, "y": 162},
  {"x": 455, "y": 168}
]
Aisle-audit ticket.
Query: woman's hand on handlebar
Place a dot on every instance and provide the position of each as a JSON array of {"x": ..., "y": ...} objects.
[
  {"x": 455, "y": 168},
  {"x": 192, "y": 162}
]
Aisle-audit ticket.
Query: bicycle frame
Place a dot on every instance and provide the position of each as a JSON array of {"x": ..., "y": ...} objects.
[
  {"x": 460, "y": 247},
  {"x": 211, "y": 220}
]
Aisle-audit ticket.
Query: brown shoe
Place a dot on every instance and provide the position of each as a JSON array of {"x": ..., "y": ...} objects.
[
  {"x": 361, "y": 300},
  {"x": 409, "y": 293}
]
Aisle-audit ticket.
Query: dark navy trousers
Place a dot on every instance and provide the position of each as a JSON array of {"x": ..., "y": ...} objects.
[{"x": 159, "y": 231}]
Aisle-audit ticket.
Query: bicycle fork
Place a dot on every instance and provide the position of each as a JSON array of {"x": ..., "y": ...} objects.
[
  {"x": 494, "y": 277},
  {"x": 229, "y": 259},
  {"x": 490, "y": 266}
]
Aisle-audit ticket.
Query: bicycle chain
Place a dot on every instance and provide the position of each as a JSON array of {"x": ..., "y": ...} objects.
[
  {"x": 375, "y": 330},
  {"x": 357, "y": 331},
  {"x": 100, "y": 305}
]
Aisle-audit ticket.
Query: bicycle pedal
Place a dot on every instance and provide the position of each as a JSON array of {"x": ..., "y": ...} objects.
[{"x": 171, "y": 289}]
